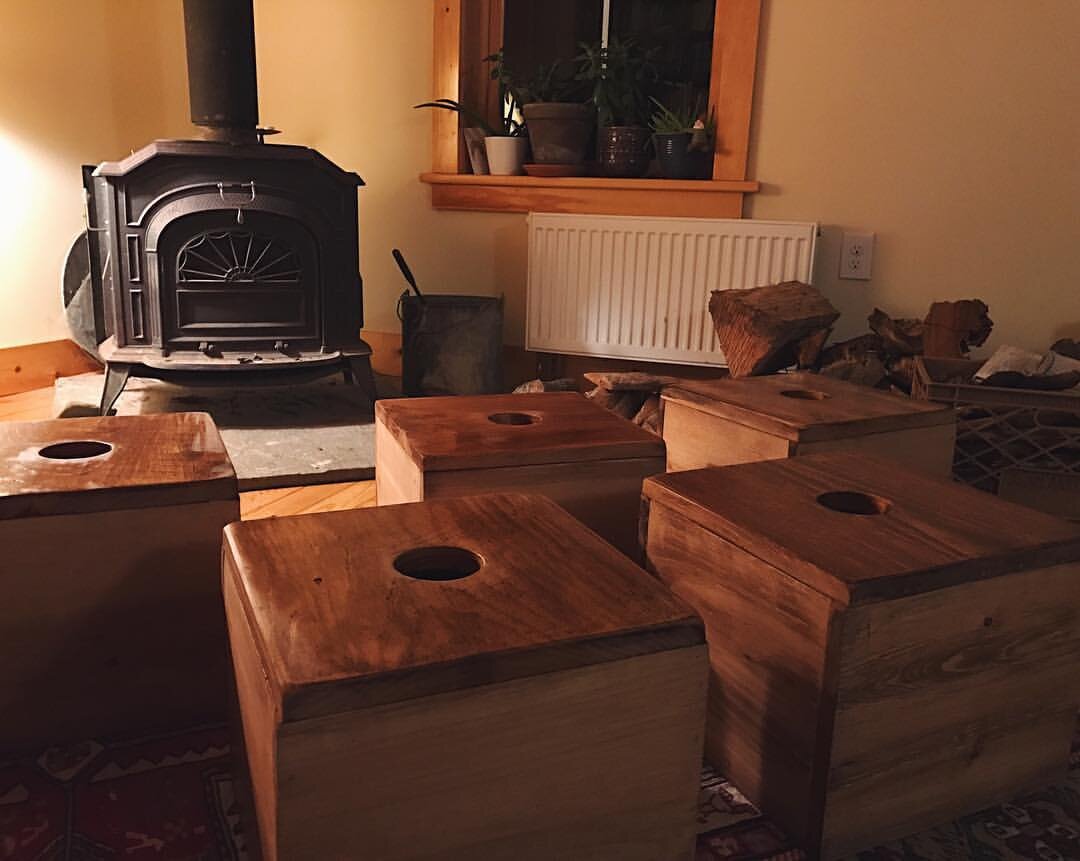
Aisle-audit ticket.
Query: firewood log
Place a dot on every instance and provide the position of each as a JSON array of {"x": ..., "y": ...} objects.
[
  {"x": 760, "y": 329},
  {"x": 651, "y": 416},
  {"x": 625, "y": 404},
  {"x": 952, "y": 328},
  {"x": 628, "y": 381},
  {"x": 564, "y": 384},
  {"x": 903, "y": 337}
]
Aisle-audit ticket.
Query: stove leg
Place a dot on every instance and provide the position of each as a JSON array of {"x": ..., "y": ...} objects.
[
  {"x": 116, "y": 377},
  {"x": 358, "y": 373}
]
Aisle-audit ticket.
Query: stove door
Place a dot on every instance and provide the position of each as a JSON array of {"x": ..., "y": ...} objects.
[{"x": 239, "y": 285}]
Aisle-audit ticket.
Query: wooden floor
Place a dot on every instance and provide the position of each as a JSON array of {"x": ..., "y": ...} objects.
[{"x": 37, "y": 404}]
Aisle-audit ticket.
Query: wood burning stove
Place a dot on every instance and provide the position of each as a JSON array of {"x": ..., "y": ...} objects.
[{"x": 225, "y": 255}]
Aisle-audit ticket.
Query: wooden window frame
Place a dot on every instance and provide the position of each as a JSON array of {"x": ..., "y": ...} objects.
[{"x": 467, "y": 30}]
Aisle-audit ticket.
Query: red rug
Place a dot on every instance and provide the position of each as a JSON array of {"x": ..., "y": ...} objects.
[{"x": 170, "y": 799}]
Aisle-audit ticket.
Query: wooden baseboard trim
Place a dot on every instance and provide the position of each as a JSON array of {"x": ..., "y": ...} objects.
[{"x": 36, "y": 366}]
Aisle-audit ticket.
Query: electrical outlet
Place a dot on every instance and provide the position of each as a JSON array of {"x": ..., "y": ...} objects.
[{"x": 857, "y": 256}]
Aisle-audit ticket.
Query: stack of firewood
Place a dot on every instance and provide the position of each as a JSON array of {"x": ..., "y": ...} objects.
[
  {"x": 632, "y": 395},
  {"x": 766, "y": 329}
]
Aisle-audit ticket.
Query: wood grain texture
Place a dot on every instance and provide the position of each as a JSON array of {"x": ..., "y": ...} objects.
[
  {"x": 983, "y": 676},
  {"x": 770, "y": 710},
  {"x": 165, "y": 459},
  {"x": 336, "y": 622},
  {"x": 934, "y": 534},
  {"x": 695, "y": 439},
  {"x": 30, "y": 406},
  {"x": 503, "y": 728},
  {"x": 551, "y": 195},
  {"x": 595, "y": 762},
  {"x": 446, "y": 83},
  {"x": 821, "y": 407},
  {"x": 731, "y": 83},
  {"x": 458, "y": 432},
  {"x": 112, "y": 622},
  {"x": 36, "y": 366},
  {"x": 306, "y": 499},
  {"x": 946, "y": 686}
]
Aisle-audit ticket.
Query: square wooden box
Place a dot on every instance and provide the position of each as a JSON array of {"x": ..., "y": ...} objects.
[
  {"x": 549, "y": 705},
  {"x": 112, "y": 617},
  {"x": 559, "y": 444},
  {"x": 889, "y": 651},
  {"x": 723, "y": 422}
]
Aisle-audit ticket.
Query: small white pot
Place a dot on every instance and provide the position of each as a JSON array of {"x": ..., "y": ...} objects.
[{"x": 506, "y": 155}]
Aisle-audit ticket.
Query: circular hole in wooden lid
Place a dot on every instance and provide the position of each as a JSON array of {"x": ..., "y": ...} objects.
[
  {"x": 854, "y": 502},
  {"x": 438, "y": 563},
  {"x": 805, "y": 394},
  {"x": 80, "y": 449},
  {"x": 514, "y": 418}
]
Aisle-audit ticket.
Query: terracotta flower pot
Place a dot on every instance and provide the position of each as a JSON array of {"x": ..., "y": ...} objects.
[
  {"x": 506, "y": 155},
  {"x": 559, "y": 132},
  {"x": 624, "y": 150}
]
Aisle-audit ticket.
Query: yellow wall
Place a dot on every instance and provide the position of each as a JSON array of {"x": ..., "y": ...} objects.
[{"x": 947, "y": 127}]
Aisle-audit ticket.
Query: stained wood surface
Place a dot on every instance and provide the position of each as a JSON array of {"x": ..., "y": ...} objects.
[
  {"x": 337, "y": 625},
  {"x": 820, "y": 408},
  {"x": 595, "y": 762},
  {"x": 112, "y": 623},
  {"x": 934, "y": 533},
  {"x": 770, "y": 709},
  {"x": 36, "y": 366},
  {"x": 731, "y": 83},
  {"x": 306, "y": 499},
  {"x": 457, "y": 432},
  {"x": 163, "y": 459},
  {"x": 984, "y": 677}
]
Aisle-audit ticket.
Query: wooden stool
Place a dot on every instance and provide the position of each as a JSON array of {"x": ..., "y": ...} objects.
[
  {"x": 587, "y": 459},
  {"x": 112, "y": 617},
  {"x": 889, "y": 650},
  {"x": 723, "y": 422},
  {"x": 462, "y": 679}
]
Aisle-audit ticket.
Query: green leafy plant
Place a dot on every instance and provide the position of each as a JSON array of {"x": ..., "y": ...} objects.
[
  {"x": 549, "y": 83},
  {"x": 667, "y": 121},
  {"x": 622, "y": 77},
  {"x": 509, "y": 127}
]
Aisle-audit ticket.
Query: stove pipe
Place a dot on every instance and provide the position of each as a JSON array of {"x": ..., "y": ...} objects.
[{"x": 221, "y": 68}]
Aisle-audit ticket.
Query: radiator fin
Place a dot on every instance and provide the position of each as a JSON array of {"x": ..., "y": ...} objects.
[{"x": 638, "y": 288}]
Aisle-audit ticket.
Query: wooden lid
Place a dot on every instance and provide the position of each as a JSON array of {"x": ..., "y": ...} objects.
[
  {"x": 807, "y": 407},
  {"x": 467, "y": 432},
  {"x": 338, "y": 626},
  {"x": 909, "y": 533},
  {"x": 69, "y": 466}
]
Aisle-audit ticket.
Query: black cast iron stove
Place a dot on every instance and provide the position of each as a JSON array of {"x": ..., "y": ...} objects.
[{"x": 225, "y": 255}]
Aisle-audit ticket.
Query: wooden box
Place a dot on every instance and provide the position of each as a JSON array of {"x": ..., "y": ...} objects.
[
  {"x": 889, "y": 651},
  {"x": 587, "y": 459},
  {"x": 724, "y": 422},
  {"x": 112, "y": 618},
  {"x": 550, "y": 704}
]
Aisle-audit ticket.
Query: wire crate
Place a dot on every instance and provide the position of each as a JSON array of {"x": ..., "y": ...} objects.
[{"x": 1021, "y": 444}]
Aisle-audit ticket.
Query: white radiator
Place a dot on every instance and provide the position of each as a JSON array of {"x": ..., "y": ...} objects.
[{"x": 638, "y": 288}]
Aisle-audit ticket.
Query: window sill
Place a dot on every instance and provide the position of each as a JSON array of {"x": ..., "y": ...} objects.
[{"x": 587, "y": 194}]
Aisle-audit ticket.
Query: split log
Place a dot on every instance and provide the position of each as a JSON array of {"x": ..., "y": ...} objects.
[
  {"x": 1067, "y": 347},
  {"x": 867, "y": 371},
  {"x": 952, "y": 328},
  {"x": 903, "y": 337},
  {"x": 808, "y": 349},
  {"x": 628, "y": 381},
  {"x": 651, "y": 416},
  {"x": 760, "y": 329},
  {"x": 853, "y": 349},
  {"x": 902, "y": 372},
  {"x": 625, "y": 404},
  {"x": 564, "y": 384}
]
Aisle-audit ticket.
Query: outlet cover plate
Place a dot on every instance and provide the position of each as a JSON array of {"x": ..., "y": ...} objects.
[{"x": 857, "y": 256}]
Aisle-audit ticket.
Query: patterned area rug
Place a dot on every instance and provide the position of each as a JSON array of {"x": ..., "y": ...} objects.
[{"x": 170, "y": 798}]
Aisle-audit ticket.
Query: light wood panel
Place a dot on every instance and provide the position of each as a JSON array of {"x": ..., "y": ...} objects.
[
  {"x": 586, "y": 194},
  {"x": 731, "y": 85},
  {"x": 35, "y": 366},
  {"x": 503, "y": 728},
  {"x": 446, "y": 71},
  {"x": 941, "y": 677},
  {"x": 307, "y": 499}
]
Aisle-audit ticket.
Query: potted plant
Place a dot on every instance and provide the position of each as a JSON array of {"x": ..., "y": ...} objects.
[
  {"x": 505, "y": 146},
  {"x": 682, "y": 141},
  {"x": 621, "y": 77},
  {"x": 558, "y": 121}
]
